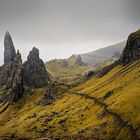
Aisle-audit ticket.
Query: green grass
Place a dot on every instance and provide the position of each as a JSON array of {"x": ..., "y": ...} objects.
[
  {"x": 65, "y": 70},
  {"x": 74, "y": 116}
]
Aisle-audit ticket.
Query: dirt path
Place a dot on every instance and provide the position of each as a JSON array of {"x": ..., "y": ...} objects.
[{"x": 117, "y": 117}]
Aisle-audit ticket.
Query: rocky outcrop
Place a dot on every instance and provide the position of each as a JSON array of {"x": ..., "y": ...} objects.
[
  {"x": 34, "y": 71},
  {"x": 9, "y": 50},
  {"x": 13, "y": 73},
  {"x": 75, "y": 60},
  {"x": 49, "y": 96},
  {"x": 5, "y": 72},
  {"x": 9, "y": 57},
  {"x": 14, "y": 87},
  {"x": 79, "y": 60},
  {"x": 132, "y": 50}
]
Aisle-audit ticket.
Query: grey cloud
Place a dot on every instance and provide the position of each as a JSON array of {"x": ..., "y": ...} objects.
[{"x": 49, "y": 22}]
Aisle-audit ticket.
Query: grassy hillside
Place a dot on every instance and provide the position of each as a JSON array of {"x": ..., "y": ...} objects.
[
  {"x": 104, "y": 108},
  {"x": 66, "y": 70}
]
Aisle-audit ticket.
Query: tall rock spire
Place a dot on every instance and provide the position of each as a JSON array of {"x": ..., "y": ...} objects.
[
  {"x": 9, "y": 49},
  {"x": 34, "y": 71},
  {"x": 79, "y": 60},
  {"x": 14, "y": 87},
  {"x": 16, "y": 81}
]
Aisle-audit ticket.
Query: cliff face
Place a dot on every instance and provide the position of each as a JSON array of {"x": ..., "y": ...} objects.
[
  {"x": 132, "y": 50},
  {"x": 34, "y": 71}
]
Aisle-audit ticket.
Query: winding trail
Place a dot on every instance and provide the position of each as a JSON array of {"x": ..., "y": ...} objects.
[{"x": 117, "y": 117}]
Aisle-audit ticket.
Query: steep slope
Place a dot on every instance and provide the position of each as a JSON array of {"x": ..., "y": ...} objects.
[
  {"x": 103, "y": 54},
  {"x": 105, "y": 108}
]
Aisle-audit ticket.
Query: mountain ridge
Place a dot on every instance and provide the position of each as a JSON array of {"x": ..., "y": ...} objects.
[
  {"x": 71, "y": 68},
  {"x": 102, "y": 54}
]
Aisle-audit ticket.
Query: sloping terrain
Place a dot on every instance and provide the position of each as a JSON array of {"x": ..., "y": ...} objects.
[
  {"x": 103, "y": 108},
  {"x": 100, "y": 55},
  {"x": 66, "y": 70}
]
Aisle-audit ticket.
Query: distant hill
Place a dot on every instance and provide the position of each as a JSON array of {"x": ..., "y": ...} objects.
[
  {"x": 103, "y": 54},
  {"x": 66, "y": 70}
]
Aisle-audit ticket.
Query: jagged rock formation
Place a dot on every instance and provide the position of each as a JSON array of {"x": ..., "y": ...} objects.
[
  {"x": 5, "y": 72},
  {"x": 9, "y": 57},
  {"x": 13, "y": 74},
  {"x": 11, "y": 71},
  {"x": 9, "y": 52},
  {"x": 35, "y": 74},
  {"x": 14, "y": 88},
  {"x": 75, "y": 60},
  {"x": 79, "y": 60},
  {"x": 34, "y": 71},
  {"x": 132, "y": 49}
]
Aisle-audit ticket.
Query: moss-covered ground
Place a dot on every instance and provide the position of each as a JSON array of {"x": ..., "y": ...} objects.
[{"x": 103, "y": 108}]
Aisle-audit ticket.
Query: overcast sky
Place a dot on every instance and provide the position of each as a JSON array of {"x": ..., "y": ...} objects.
[{"x": 60, "y": 28}]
